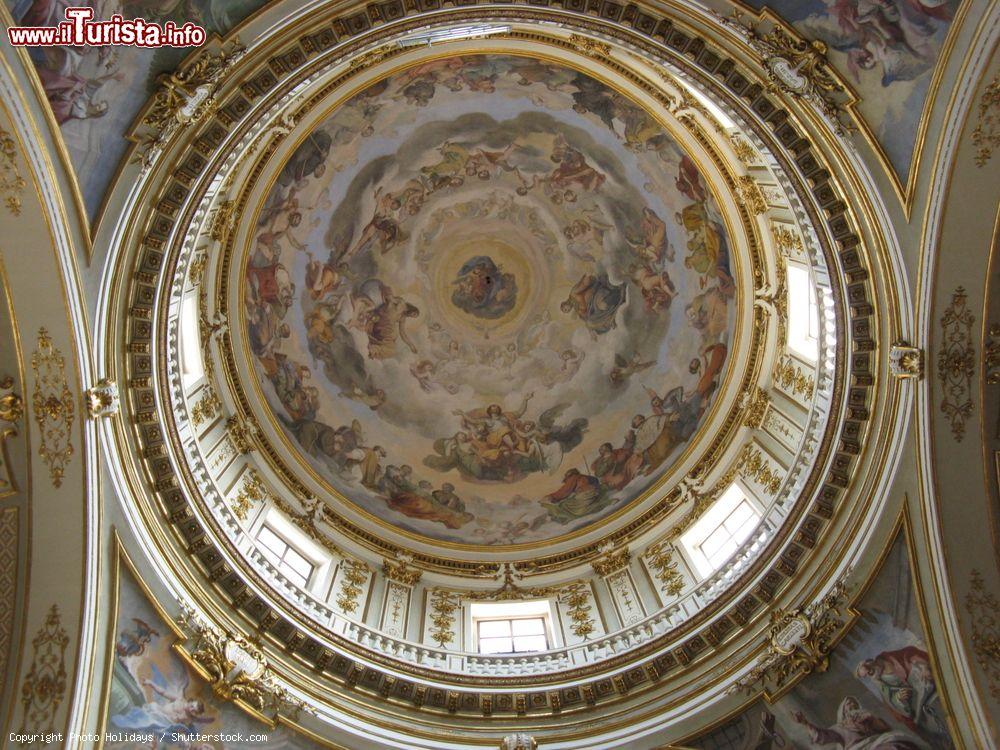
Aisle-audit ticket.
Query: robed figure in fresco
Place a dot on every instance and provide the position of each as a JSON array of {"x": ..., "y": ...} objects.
[
  {"x": 857, "y": 729},
  {"x": 595, "y": 300},
  {"x": 483, "y": 289}
]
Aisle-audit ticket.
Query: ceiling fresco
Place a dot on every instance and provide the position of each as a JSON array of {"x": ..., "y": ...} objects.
[{"x": 489, "y": 299}]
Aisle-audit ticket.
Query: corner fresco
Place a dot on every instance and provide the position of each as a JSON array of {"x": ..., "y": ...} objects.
[
  {"x": 879, "y": 692},
  {"x": 96, "y": 92},
  {"x": 887, "y": 50},
  {"x": 154, "y": 695},
  {"x": 489, "y": 299}
]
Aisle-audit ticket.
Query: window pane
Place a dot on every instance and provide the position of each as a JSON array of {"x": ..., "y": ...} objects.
[
  {"x": 496, "y": 646},
  {"x": 530, "y": 643},
  {"x": 298, "y": 563},
  {"x": 493, "y": 628},
  {"x": 293, "y": 575},
  {"x": 272, "y": 541},
  {"x": 534, "y": 626}
]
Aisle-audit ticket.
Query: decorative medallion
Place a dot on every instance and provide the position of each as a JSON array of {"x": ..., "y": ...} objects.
[
  {"x": 489, "y": 300},
  {"x": 45, "y": 684},
  {"x": 986, "y": 136},
  {"x": 956, "y": 362},
  {"x": 12, "y": 184},
  {"x": 54, "y": 407},
  {"x": 102, "y": 399},
  {"x": 906, "y": 362}
]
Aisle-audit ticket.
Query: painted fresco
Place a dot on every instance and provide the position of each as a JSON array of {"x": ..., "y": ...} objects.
[
  {"x": 154, "y": 693},
  {"x": 878, "y": 694},
  {"x": 96, "y": 92},
  {"x": 489, "y": 299},
  {"x": 887, "y": 50}
]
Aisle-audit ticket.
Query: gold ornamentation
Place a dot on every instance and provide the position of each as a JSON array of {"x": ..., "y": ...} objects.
[
  {"x": 11, "y": 411},
  {"x": 906, "y": 362},
  {"x": 236, "y": 669},
  {"x": 375, "y": 56},
  {"x": 799, "y": 643},
  {"x": 744, "y": 151},
  {"x": 991, "y": 355},
  {"x": 576, "y": 597},
  {"x": 12, "y": 184},
  {"x": 749, "y": 192},
  {"x": 242, "y": 433},
  {"x": 223, "y": 222},
  {"x": 8, "y": 581},
  {"x": 355, "y": 574},
  {"x": 196, "y": 271},
  {"x": 755, "y": 466},
  {"x": 793, "y": 378},
  {"x": 11, "y": 405},
  {"x": 984, "y": 613},
  {"x": 53, "y": 404},
  {"x": 443, "y": 607},
  {"x": 45, "y": 684},
  {"x": 590, "y": 46},
  {"x": 519, "y": 741},
  {"x": 956, "y": 362},
  {"x": 754, "y": 405},
  {"x": 184, "y": 97},
  {"x": 661, "y": 559},
  {"x": 206, "y": 408},
  {"x": 611, "y": 562},
  {"x": 401, "y": 572},
  {"x": 788, "y": 242},
  {"x": 986, "y": 136},
  {"x": 797, "y": 67},
  {"x": 253, "y": 492},
  {"x": 102, "y": 399}
]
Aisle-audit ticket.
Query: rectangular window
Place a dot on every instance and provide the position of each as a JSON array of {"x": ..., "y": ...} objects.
[
  {"x": 192, "y": 366},
  {"x": 513, "y": 636},
  {"x": 803, "y": 313},
  {"x": 288, "y": 559},
  {"x": 720, "y": 532}
]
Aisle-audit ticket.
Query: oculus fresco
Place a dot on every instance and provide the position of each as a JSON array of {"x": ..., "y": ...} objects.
[{"x": 489, "y": 299}]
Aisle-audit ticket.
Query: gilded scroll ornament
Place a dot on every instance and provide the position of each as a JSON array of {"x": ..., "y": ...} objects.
[
  {"x": 354, "y": 576},
  {"x": 611, "y": 561},
  {"x": 755, "y": 466},
  {"x": 45, "y": 684},
  {"x": 991, "y": 356},
  {"x": 986, "y": 136},
  {"x": 744, "y": 151},
  {"x": 956, "y": 362},
  {"x": 102, "y": 399},
  {"x": 250, "y": 495},
  {"x": 185, "y": 96},
  {"x": 797, "y": 67},
  {"x": 576, "y": 599},
  {"x": 401, "y": 572},
  {"x": 206, "y": 408},
  {"x": 54, "y": 409},
  {"x": 591, "y": 47},
  {"x": 443, "y": 607},
  {"x": 754, "y": 405},
  {"x": 788, "y": 241},
  {"x": 12, "y": 184},
  {"x": 660, "y": 557},
  {"x": 793, "y": 378},
  {"x": 906, "y": 362},
  {"x": 750, "y": 193},
  {"x": 236, "y": 669},
  {"x": 984, "y": 614},
  {"x": 242, "y": 433},
  {"x": 11, "y": 411},
  {"x": 799, "y": 642}
]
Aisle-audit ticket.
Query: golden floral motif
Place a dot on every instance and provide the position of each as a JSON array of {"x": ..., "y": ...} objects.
[
  {"x": 788, "y": 242},
  {"x": 590, "y": 46},
  {"x": 986, "y": 136},
  {"x": 196, "y": 271},
  {"x": 611, "y": 562},
  {"x": 956, "y": 362},
  {"x": 12, "y": 184},
  {"x": 991, "y": 355},
  {"x": 749, "y": 192},
  {"x": 744, "y": 151},
  {"x": 661, "y": 559},
  {"x": 799, "y": 642},
  {"x": 443, "y": 607},
  {"x": 401, "y": 572},
  {"x": 355, "y": 575},
  {"x": 793, "y": 378},
  {"x": 102, "y": 399},
  {"x": 576, "y": 599},
  {"x": 242, "y": 433},
  {"x": 906, "y": 362},
  {"x": 252, "y": 493},
  {"x": 754, "y": 406},
  {"x": 11, "y": 411},
  {"x": 756, "y": 467},
  {"x": 53, "y": 405},
  {"x": 45, "y": 684},
  {"x": 984, "y": 613},
  {"x": 206, "y": 408}
]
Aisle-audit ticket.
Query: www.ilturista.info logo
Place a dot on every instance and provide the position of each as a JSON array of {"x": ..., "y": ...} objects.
[{"x": 78, "y": 29}]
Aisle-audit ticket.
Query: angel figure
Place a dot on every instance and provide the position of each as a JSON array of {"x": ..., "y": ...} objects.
[
  {"x": 159, "y": 705},
  {"x": 382, "y": 316},
  {"x": 626, "y": 368}
]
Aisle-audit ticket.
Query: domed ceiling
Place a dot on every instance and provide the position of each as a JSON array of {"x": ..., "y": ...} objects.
[{"x": 489, "y": 299}]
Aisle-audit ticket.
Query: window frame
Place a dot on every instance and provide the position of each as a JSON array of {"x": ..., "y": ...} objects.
[
  {"x": 510, "y": 620},
  {"x": 280, "y": 561}
]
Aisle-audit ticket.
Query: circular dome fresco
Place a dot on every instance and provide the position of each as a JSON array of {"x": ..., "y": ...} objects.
[{"x": 489, "y": 299}]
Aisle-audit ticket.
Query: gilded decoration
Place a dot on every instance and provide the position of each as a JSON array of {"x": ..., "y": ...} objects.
[
  {"x": 8, "y": 581},
  {"x": 793, "y": 378},
  {"x": 984, "y": 613},
  {"x": 519, "y": 741},
  {"x": 11, "y": 411},
  {"x": 754, "y": 406},
  {"x": 799, "y": 643},
  {"x": 401, "y": 572},
  {"x": 986, "y": 136},
  {"x": 758, "y": 468},
  {"x": 991, "y": 355},
  {"x": 12, "y": 184},
  {"x": 236, "y": 668},
  {"x": 102, "y": 399},
  {"x": 590, "y": 46},
  {"x": 353, "y": 576},
  {"x": 798, "y": 67},
  {"x": 611, "y": 562},
  {"x": 184, "y": 98},
  {"x": 576, "y": 599},
  {"x": 53, "y": 405},
  {"x": 242, "y": 433},
  {"x": 251, "y": 494},
  {"x": 956, "y": 362},
  {"x": 45, "y": 684},
  {"x": 744, "y": 151},
  {"x": 206, "y": 408},
  {"x": 443, "y": 607},
  {"x": 750, "y": 193},
  {"x": 660, "y": 557},
  {"x": 788, "y": 241},
  {"x": 469, "y": 360},
  {"x": 906, "y": 362}
]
